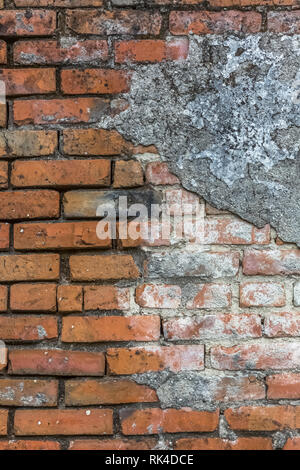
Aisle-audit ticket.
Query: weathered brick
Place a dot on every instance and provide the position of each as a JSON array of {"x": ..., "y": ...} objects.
[
  {"x": 59, "y": 3},
  {"x": 233, "y": 231},
  {"x": 149, "y": 50},
  {"x": 3, "y": 360},
  {"x": 262, "y": 294},
  {"x": 213, "y": 327},
  {"x": 293, "y": 443},
  {"x": 112, "y": 328},
  {"x": 3, "y": 175},
  {"x": 69, "y": 298},
  {"x": 155, "y": 421},
  {"x": 29, "y": 205},
  {"x": 93, "y": 142},
  {"x": 155, "y": 358},
  {"x": 28, "y": 81},
  {"x": 3, "y": 422},
  {"x": 106, "y": 298},
  {"x": 106, "y": 392},
  {"x": 207, "y": 22},
  {"x": 158, "y": 173},
  {"x": 181, "y": 202},
  {"x": 90, "y": 268},
  {"x": 263, "y": 418},
  {"x": 138, "y": 234},
  {"x": 28, "y": 392},
  {"x": 208, "y": 296},
  {"x": 61, "y": 173},
  {"x": 63, "y": 422},
  {"x": 284, "y": 22},
  {"x": 297, "y": 294},
  {"x": 65, "y": 235},
  {"x": 270, "y": 355},
  {"x": 215, "y": 443},
  {"x": 3, "y": 52},
  {"x": 29, "y": 267},
  {"x": 113, "y": 444},
  {"x": 28, "y": 327},
  {"x": 244, "y": 3},
  {"x": 27, "y": 143},
  {"x": 3, "y": 298},
  {"x": 158, "y": 296},
  {"x": 20, "y": 23},
  {"x": 66, "y": 51},
  {"x": 33, "y": 297},
  {"x": 282, "y": 324},
  {"x": 98, "y": 81},
  {"x": 56, "y": 362},
  {"x": 128, "y": 174},
  {"x": 4, "y": 236},
  {"x": 60, "y": 111},
  {"x": 271, "y": 262},
  {"x": 201, "y": 264},
  {"x": 13, "y": 444},
  {"x": 3, "y": 114},
  {"x": 285, "y": 385},
  {"x": 137, "y": 22}
]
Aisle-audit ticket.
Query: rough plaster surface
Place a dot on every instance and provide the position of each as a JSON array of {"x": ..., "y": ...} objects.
[{"x": 228, "y": 122}]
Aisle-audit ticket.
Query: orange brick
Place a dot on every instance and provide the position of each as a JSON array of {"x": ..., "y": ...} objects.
[
  {"x": 113, "y": 444},
  {"x": 20, "y": 23},
  {"x": 3, "y": 114},
  {"x": 28, "y": 81},
  {"x": 106, "y": 298},
  {"x": 29, "y": 267},
  {"x": 97, "y": 81},
  {"x": 293, "y": 443},
  {"x": 93, "y": 142},
  {"x": 3, "y": 175},
  {"x": 13, "y": 444},
  {"x": 90, "y": 268},
  {"x": 63, "y": 422},
  {"x": 3, "y": 298},
  {"x": 155, "y": 358},
  {"x": 3, "y": 422},
  {"x": 29, "y": 205},
  {"x": 33, "y": 297},
  {"x": 28, "y": 327},
  {"x": 263, "y": 418},
  {"x": 215, "y": 443},
  {"x": 106, "y": 392},
  {"x": 128, "y": 174},
  {"x": 27, "y": 143},
  {"x": 64, "y": 235},
  {"x": 149, "y": 50},
  {"x": 155, "y": 421},
  {"x": 4, "y": 236},
  {"x": 3, "y": 52},
  {"x": 28, "y": 392},
  {"x": 158, "y": 296},
  {"x": 56, "y": 362},
  {"x": 69, "y": 298}
]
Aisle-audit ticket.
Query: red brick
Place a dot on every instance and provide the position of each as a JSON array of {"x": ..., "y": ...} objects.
[
  {"x": 3, "y": 115},
  {"x": 67, "y": 51},
  {"x": 90, "y": 268},
  {"x": 4, "y": 236},
  {"x": 112, "y": 328},
  {"x": 137, "y": 22},
  {"x": 61, "y": 173},
  {"x": 113, "y": 444},
  {"x": 63, "y": 422},
  {"x": 206, "y": 22},
  {"x": 106, "y": 298},
  {"x": 158, "y": 173},
  {"x": 262, "y": 294},
  {"x": 93, "y": 142},
  {"x": 155, "y": 358},
  {"x": 269, "y": 355},
  {"x": 128, "y": 174},
  {"x": 59, "y": 3},
  {"x": 106, "y": 392},
  {"x": 56, "y": 362},
  {"x": 33, "y": 297},
  {"x": 158, "y": 296},
  {"x": 244, "y": 3},
  {"x": 3, "y": 175},
  {"x": 208, "y": 296},
  {"x": 28, "y": 392},
  {"x": 97, "y": 81},
  {"x": 283, "y": 386},
  {"x": 293, "y": 443},
  {"x": 3, "y": 422},
  {"x": 27, "y": 143},
  {"x": 29, "y": 267},
  {"x": 28, "y": 81},
  {"x": 155, "y": 421},
  {"x": 149, "y": 50},
  {"x": 3, "y": 52},
  {"x": 213, "y": 327},
  {"x": 29, "y": 445},
  {"x": 215, "y": 443},
  {"x": 271, "y": 262},
  {"x": 284, "y": 22},
  {"x": 64, "y": 235},
  {"x": 28, "y": 327},
  {"x": 20, "y": 23},
  {"x": 263, "y": 418},
  {"x": 60, "y": 111},
  {"x": 69, "y": 298},
  {"x": 135, "y": 234},
  {"x": 233, "y": 231},
  {"x": 29, "y": 205},
  {"x": 3, "y": 298},
  {"x": 282, "y": 324}
]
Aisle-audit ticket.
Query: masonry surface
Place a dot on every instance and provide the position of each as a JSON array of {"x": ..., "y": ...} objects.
[{"x": 161, "y": 343}]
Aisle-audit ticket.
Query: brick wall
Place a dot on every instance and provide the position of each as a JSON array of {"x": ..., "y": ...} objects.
[{"x": 105, "y": 337}]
